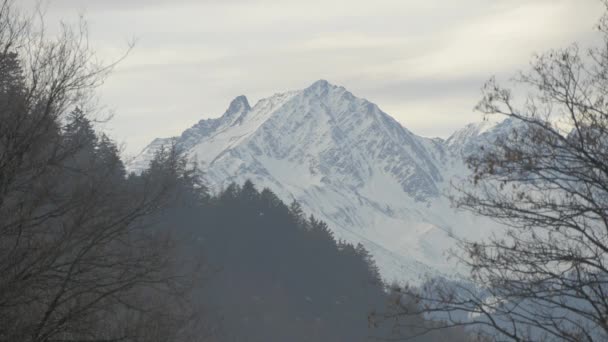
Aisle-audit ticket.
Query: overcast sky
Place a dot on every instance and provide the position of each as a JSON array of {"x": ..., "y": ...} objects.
[{"x": 421, "y": 61}]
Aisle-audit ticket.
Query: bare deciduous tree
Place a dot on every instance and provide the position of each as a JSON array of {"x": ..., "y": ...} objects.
[
  {"x": 546, "y": 276},
  {"x": 79, "y": 260}
]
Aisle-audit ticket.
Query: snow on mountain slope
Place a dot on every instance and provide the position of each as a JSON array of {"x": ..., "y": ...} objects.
[{"x": 347, "y": 162}]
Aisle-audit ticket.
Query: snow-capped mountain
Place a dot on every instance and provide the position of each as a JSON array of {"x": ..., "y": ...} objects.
[{"x": 347, "y": 162}]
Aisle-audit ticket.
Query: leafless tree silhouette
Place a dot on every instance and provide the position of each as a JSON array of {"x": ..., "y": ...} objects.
[
  {"x": 79, "y": 257},
  {"x": 546, "y": 181}
]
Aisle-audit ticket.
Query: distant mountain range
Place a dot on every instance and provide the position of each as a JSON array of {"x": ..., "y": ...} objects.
[{"x": 351, "y": 165}]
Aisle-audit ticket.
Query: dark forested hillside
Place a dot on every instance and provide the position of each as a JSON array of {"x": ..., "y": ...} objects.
[{"x": 274, "y": 274}]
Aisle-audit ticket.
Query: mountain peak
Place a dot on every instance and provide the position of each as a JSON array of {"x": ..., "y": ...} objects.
[
  {"x": 240, "y": 103},
  {"x": 239, "y": 107},
  {"x": 319, "y": 87},
  {"x": 320, "y": 84}
]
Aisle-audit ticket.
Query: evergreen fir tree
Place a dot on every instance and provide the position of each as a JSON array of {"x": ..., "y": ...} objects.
[
  {"x": 296, "y": 212},
  {"x": 12, "y": 80}
]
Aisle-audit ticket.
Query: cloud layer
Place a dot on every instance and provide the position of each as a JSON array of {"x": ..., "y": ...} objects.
[{"x": 422, "y": 61}]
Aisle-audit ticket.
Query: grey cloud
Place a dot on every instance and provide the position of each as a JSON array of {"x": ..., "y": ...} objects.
[
  {"x": 429, "y": 88},
  {"x": 423, "y": 61}
]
